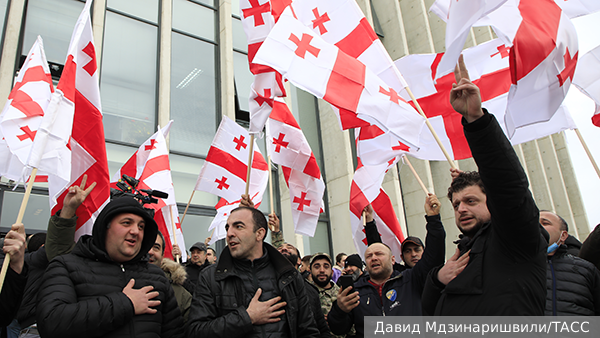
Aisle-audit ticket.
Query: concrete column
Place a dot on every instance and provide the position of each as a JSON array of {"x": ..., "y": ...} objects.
[
  {"x": 538, "y": 182},
  {"x": 392, "y": 24},
  {"x": 442, "y": 179},
  {"x": 339, "y": 169},
  {"x": 521, "y": 155},
  {"x": 164, "y": 71},
  {"x": 566, "y": 167},
  {"x": 482, "y": 34},
  {"x": 416, "y": 20},
  {"x": 414, "y": 197},
  {"x": 98, "y": 15},
  {"x": 226, "y": 59},
  {"x": 11, "y": 44}
]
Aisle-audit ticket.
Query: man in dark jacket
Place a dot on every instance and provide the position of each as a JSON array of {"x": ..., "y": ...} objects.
[
  {"x": 105, "y": 286},
  {"x": 502, "y": 240},
  {"x": 590, "y": 250},
  {"x": 385, "y": 291},
  {"x": 253, "y": 291},
  {"x": 573, "y": 284},
  {"x": 196, "y": 263},
  {"x": 16, "y": 275}
]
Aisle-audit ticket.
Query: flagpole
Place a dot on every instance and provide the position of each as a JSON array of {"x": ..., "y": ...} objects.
[
  {"x": 587, "y": 151},
  {"x": 174, "y": 229},
  {"x": 270, "y": 187},
  {"x": 405, "y": 158},
  {"x": 249, "y": 164},
  {"x": 435, "y": 135},
  {"x": 187, "y": 206},
  {"x": 19, "y": 220}
]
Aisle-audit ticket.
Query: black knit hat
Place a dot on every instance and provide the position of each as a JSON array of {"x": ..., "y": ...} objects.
[
  {"x": 124, "y": 205},
  {"x": 354, "y": 260}
]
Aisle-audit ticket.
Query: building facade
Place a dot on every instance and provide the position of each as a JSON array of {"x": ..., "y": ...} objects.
[{"x": 186, "y": 60}]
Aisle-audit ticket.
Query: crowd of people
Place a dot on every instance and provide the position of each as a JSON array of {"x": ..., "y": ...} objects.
[{"x": 511, "y": 259}]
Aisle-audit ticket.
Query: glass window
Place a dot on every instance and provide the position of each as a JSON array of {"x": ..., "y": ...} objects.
[
  {"x": 145, "y": 9},
  {"x": 191, "y": 18},
  {"x": 318, "y": 243},
  {"x": 193, "y": 95},
  {"x": 184, "y": 171},
  {"x": 54, "y": 20},
  {"x": 36, "y": 215},
  {"x": 195, "y": 229},
  {"x": 240, "y": 41},
  {"x": 128, "y": 79},
  {"x": 210, "y": 3},
  {"x": 117, "y": 156},
  {"x": 243, "y": 79},
  {"x": 235, "y": 8}
]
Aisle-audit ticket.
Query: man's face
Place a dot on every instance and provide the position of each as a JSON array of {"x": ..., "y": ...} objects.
[
  {"x": 350, "y": 269},
  {"x": 243, "y": 242},
  {"x": 198, "y": 256},
  {"x": 124, "y": 237},
  {"x": 379, "y": 261},
  {"x": 156, "y": 252},
  {"x": 304, "y": 267},
  {"x": 321, "y": 272},
  {"x": 210, "y": 256},
  {"x": 411, "y": 254},
  {"x": 470, "y": 209},
  {"x": 289, "y": 251},
  {"x": 553, "y": 225}
]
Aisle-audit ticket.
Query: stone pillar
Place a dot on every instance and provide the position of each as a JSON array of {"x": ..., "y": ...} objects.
[
  {"x": 164, "y": 71},
  {"x": 226, "y": 59},
  {"x": 11, "y": 44},
  {"x": 98, "y": 13}
]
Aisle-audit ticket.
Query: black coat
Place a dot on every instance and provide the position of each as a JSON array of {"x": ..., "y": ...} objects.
[
  {"x": 315, "y": 306},
  {"x": 590, "y": 250},
  {"x": 573, "y": 286},
  {"x": 37, "y": 262},
  {"x": 506, "y": 273},
  {"x": 12, "y": 293},
  {"x": 223, "y": 295}
]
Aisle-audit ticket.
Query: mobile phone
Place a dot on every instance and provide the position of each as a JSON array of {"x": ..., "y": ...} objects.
[{"x": 346, "y": 281}]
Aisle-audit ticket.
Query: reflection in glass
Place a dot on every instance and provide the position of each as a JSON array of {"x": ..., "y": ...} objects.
[
  {"x": 194, "y": 19},
  {"x": 243, "y": 79},
  {"x": 305, "y": 111},
  {"x": 145, "y": 9},
  {"x": 193, "y": 95},
  {"x": 184, "y": 171},
  {"x": 128, "y": 79},
  {"x": 54, "y": 20},
  {"x": 36, "y": 215},
  {"x": 195, "y": 229},
  {"x": 240, "y": 41}
]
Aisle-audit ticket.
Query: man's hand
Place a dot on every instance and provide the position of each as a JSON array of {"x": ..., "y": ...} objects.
[
  {"x": 432, "y": 205},
  {"x": 453, "y": 267},
  {"x": 368, "y": 213},
  {"x": 75, "y": 197},
  {"x": 265, "y": 312},
  {"x": 141, "y": 298},
  {"x": 464, "y": 95},
  {"x": 14, "y": 244},
  {"x": 273, "y": 222},
  {"x": 207, "y": 240},
  {"x": 176, "y": 251},
  {"x": 346, "y": 302},
  {"x": 246, "y": 201},
  {"x": 454, "y": 172}
]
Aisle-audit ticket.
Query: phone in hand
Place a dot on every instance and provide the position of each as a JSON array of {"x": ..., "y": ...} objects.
[{"x": 346, "y": 281}]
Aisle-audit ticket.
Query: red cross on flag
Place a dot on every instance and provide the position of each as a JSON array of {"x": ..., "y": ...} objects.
[
  {"x": 488, "y": 66},
  {"x": 78, "y": 95},
  {"x": 366, "y": 189},
  {"x": 23, "y": 112},
  {"x": 289, "y": 148},
  {"x": 325, "y": 71},
  {"x": 587, "y": 79},
  {"x": 265, "y": 88},
  {"x": 150, "y": 165},
  {"x": 224, "y": 171}
]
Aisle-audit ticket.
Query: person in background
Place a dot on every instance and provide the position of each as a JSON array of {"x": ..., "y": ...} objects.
[
  {"x": 211, "y": 255},
  {"x": 338, "y": 268},
  {"x": 353, "y": 266}
]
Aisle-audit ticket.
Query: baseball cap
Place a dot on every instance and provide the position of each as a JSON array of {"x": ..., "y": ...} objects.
[
  {"x": 199, "y": 245},
  {"x": 414, "y": 240},
  {"x": 319, "y": 255}
]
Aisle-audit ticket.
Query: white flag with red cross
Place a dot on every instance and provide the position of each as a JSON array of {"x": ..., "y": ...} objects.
[
  {"x": 587, "y": 79},
  {"x": 78, "y": 94},
  {"x": 224, "y": 171},
  {"x": 289, "y": 148},
  {"x": 488, "y": 68},
  {"x": 325, "y": 71},
  {"x": 150, "y": 165},
  {"x": 23, "y": 112}
]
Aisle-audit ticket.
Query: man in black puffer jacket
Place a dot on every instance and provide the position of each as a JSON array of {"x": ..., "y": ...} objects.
[
  {"x": 105, "y": 286},
  {"x": 253, "y": 291},
  {"x": 573, "y": 284}
]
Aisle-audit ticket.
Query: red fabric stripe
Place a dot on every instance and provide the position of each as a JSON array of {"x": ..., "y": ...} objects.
[
  {"x": 223, "y": 159},
  {"x": 370, "y": 132},
  {"x": 162, "y": 227},
  {"x": 312, "y": 168},
  {"x": 346, "y": 82},
  {"x": 349, "y": 119},
  {"x": 286, "y": 174},
  {"x": 382, "y": 205},
  {"x": 254, "y": 67},
  {"x": 596, "y": 120},
  {"x": 67, "y": 79},
  {"x": 282, "y": 113},
  {"x": 361, "y": 38},
  {"x": 277, "y": 7},
  {"x": 154, "y": 165},
  {"x": 258, "y": 162},
  {"x": 358, "y": 200},
  {"x": 36, "y": 73}
]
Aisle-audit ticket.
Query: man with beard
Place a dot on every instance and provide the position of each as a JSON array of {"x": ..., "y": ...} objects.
[
  {"x": 499, "y": 268},
  {"x": 353, "y": 266}
]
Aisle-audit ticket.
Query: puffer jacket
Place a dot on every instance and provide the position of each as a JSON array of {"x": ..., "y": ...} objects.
[
  {"x": 225, "y": 290},
  {"x": 573, "y": 286},
  {"x": 81, "y": 295},
  {"x": 177, "y": 276}
]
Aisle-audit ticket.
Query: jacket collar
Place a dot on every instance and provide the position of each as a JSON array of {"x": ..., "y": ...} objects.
[{"x": 226, "y": 268}]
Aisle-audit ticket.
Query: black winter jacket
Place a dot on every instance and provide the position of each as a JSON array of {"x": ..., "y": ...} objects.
[
  {"x": 315, "y": 306},
  {"x": 507, "y": 265},
  {"x": 573, "y": 286},
  {"x": 225, "y": 289},
  {"x": 81, "y": 295},
  {"x": 590, "y": 250},
  {"x": 12, "y": 293},
  {"x": 401, "y": 294}
]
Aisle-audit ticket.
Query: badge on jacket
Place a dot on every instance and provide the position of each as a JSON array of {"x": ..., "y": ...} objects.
[{"x": 391, "y": 295}]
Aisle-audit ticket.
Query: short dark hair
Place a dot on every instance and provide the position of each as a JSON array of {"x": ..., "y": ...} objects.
[
  {"x": 163, "y": 243},
  {"x": 564, "y": 226},
  {"x": 213, "y": 250},
  {"x": 338, "y": 257},
  {"x": 36, "y": 241},
  {"x": 260, "y": 221},
  {"x": 306, "y": 259},
  {"x": 464, "y": 180}
]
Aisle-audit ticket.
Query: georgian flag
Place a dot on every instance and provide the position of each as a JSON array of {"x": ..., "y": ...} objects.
[
  {"x": 587, "y": 79},
  {"x": 488, "y": 67},
  {"x": 322, "y": 69},
  {"x": 265, "y": 88},
  {"x": 23, "y": 112},
  {"x": 78, "y": 95},
  {"x": 224, "y": 171},
  {"x": 289, "y": 148},
  {"x": 150, "y": 165}
]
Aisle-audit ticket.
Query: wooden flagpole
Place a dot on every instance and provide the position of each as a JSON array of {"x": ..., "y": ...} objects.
[
  {"x": 174, "y": 229},
  {"x": 270, "y": 188},
  {"x": 20, "y": 216},
  {"x": 587, "y": 151},
  {"x": 249, "y": 163},
  {"x": 187, "y": 206},
  {"x": 405, "y": 158}
]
